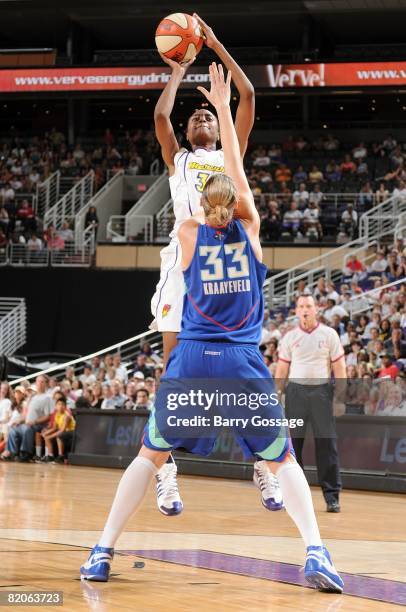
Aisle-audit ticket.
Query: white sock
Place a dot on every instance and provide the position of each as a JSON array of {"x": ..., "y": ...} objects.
[
  {"x": 38, "y": 450},
  {"x": 130, "y": 492},
  {"x": 298, "y": 502}
]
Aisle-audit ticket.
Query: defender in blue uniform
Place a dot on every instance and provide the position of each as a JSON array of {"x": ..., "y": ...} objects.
[
  {"x": 221, "y": 328},
  {"x": 222, "y": 316}
]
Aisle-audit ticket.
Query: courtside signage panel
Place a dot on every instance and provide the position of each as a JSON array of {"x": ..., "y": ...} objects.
[{"x": 272, "y": 76}]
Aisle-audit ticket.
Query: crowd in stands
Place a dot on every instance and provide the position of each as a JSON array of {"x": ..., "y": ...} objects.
[
  {"x": 371, "y": 323},
  {"x": 37, "y": 421},
  {"x": 27, "y": 162},
  {"x": 291, "y": 181}
]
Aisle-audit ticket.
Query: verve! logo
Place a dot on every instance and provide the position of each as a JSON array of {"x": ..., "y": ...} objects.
[{"x": 286, "y": 76}]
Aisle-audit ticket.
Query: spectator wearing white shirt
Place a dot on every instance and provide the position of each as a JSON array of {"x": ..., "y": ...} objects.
[
  {"x": 316, "y": 195},
  {"x": 346, "y": 301},
  {"x": 334, "y": 309},
  {"x": 87, "y": 378},
  {"x": 261, "y": 158},
  {"x": 265, "y": 336},
  {"x": 301, "y": 196},
  {"x": 34, "y": 176},
  {"x": 34, "y": 243},
  {"x": 274, "y": 331},
  {"x": 66, "y": 233},
  {"x": 107, "y": 394},
  {"x": 121, "y": 371},
  {"x": 400, "y": 191},
  {"x": 7, "y": 193},
  {"x": 292, "y": 219},
  {"x": 352, "y": 357},
  {"x": 117, "y": 398},
  {"x": 360, "y": 151},
  {"x": 349, "y": 219},
  {"x": 78, "y": 153},
  {"x": 22, "y": 437},
  {"x": 332, "y": 293},
  {"x": 311, "y": 223},
  {"x": 379, "y": 264},
  {"x": 16, "y": 184}
]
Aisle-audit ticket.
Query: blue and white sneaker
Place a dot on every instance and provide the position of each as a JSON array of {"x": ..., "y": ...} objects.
[
  {"x": 168, "y": 498},
  {"x": 267, "y": 483},
  {"x": 320, "y": 571},
  {"x": 97, "y": 567}
]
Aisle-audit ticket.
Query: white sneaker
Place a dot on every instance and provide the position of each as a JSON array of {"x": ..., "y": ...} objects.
[
  {"x": 168, "y": 498},
  {"x": 267, "y": 483}
]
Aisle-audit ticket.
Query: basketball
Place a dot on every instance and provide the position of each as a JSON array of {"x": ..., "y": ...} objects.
[{"x": 179, "y": 37}]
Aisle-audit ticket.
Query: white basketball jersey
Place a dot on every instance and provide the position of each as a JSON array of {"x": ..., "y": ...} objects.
[{"x": 192, "y": 169}]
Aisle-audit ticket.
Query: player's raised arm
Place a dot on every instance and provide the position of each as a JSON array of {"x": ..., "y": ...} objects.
[
  {"x": 244, "y": 119},
  {"x": 219, "y": 96},
  {"x": 163, "y": 109}
]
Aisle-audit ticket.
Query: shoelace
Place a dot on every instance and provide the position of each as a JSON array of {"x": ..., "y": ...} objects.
[
  {"x": 267, "y": 481},
  {"x": 169, "y": 484}
]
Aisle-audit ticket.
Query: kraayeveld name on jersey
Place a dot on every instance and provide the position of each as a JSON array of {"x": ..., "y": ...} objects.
[
  {"x": 232, "y": 286},
  {"x": 209, "y": 167}
]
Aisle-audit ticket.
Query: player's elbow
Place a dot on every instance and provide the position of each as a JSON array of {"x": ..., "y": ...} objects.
[
  {"x": 248, "y": 93},
  {"x": 160, "y": 116}
]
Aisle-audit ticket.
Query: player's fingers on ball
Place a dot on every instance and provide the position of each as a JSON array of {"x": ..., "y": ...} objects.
[{"x": 202, "y": 23}]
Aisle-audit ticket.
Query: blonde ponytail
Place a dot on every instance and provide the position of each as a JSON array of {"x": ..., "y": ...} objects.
[{"x": 218, "y": 199}]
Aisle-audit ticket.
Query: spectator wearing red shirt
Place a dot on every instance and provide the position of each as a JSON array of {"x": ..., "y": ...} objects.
[
  {"x": 389, "y": 370},
  {"x": 354, "y": 265},
  {"x": 26, "y": 215},
  {"x": 54, "y": 241},
  {"x": 348, "y": 166}
]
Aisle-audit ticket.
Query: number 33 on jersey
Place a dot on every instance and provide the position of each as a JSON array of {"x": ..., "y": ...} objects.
[
  {"x": 234, "y": 265},
  {"x": 224, "y": 281}
]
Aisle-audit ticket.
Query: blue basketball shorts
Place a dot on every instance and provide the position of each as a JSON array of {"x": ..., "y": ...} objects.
[{"x": 209, "y": 386}]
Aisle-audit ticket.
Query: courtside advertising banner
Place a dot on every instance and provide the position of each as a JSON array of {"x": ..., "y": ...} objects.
[{"x": 272, "y": 76}]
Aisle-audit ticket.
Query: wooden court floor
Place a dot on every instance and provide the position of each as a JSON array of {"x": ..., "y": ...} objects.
[{"x": 225, "y": 552}]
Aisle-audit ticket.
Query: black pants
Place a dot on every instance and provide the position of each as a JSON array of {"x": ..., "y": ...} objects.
[{"x": 314, "y": 404}]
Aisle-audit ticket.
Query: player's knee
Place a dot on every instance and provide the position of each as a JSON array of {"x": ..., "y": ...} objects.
[
  {"x": 275, "y": 465},
  {"x": 158, "y": 458}
]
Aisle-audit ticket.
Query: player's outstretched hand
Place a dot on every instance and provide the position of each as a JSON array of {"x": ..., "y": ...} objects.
[
  {"x": 220, "y": 90},
  {"x": 176, "y": 67},
  {"x": 209, "y": 36}
]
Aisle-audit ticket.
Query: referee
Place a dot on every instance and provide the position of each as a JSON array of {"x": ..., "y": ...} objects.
[{"x": 307, "y": 354}]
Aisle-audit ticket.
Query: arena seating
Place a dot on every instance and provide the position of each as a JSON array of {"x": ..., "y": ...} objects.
[{"x": 331, "y": 183}]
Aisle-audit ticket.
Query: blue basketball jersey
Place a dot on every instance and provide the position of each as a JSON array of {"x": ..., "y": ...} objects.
[{"x": 223, "y": 300}]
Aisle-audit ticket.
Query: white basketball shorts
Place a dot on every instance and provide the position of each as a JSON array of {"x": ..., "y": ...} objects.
[{"x": 167, "y": 302}]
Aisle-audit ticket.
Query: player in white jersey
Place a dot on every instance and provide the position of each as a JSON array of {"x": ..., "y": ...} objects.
[{"x": 188, "y": 171}]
